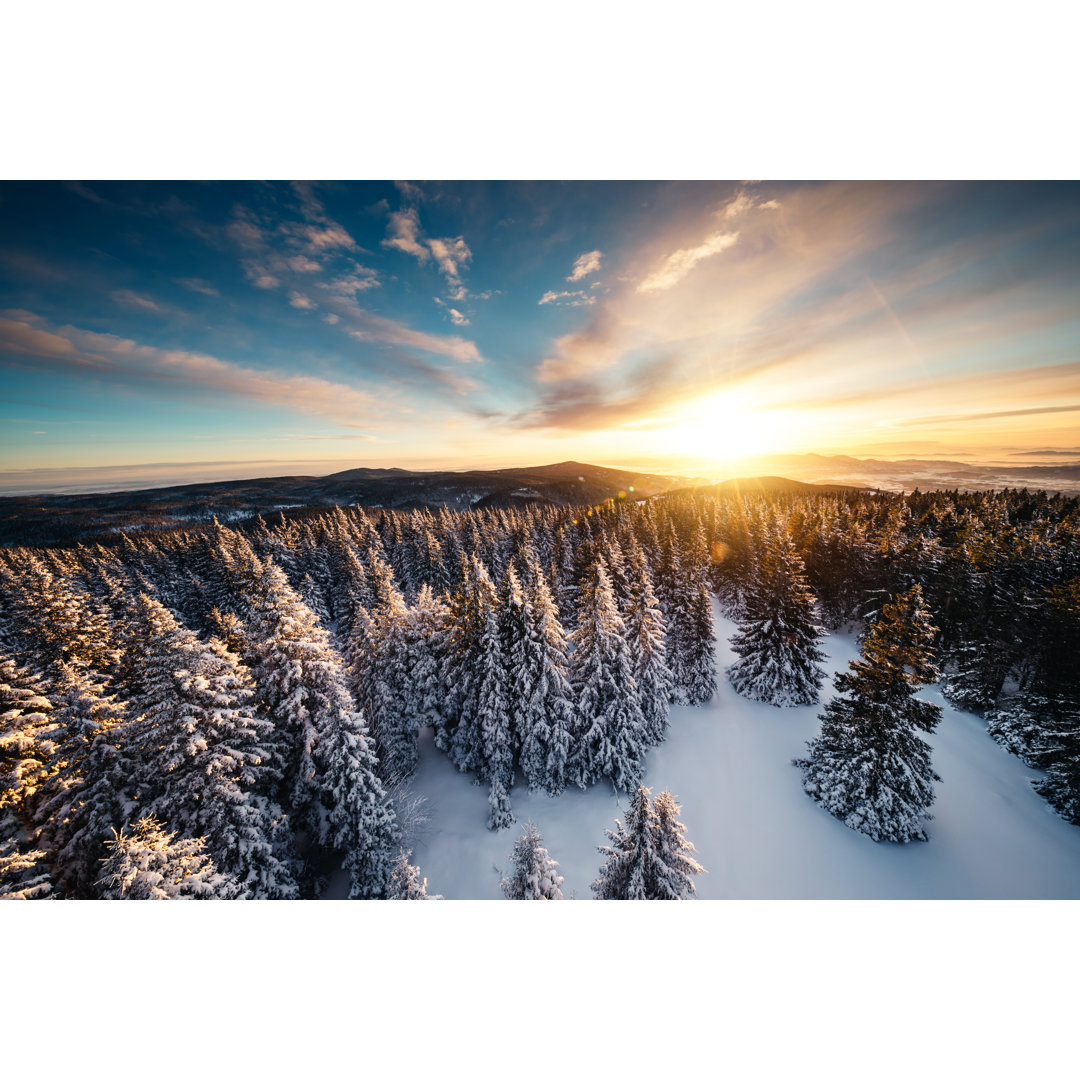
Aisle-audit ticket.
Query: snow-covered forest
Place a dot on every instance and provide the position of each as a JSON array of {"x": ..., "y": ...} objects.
[{"x": 240, "y": 713}]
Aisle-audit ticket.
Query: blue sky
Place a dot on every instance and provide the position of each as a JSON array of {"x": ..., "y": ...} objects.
[{"x": 187, "y": 330}]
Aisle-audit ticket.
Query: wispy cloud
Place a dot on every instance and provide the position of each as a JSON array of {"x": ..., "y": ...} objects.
[
  {"x": 405, "y": 233},
  {"x": 679, "y": 263},
  {"x": 136, "y": 300},
  {"x": 197, "y": 285},
  {"x": 125, "y": 361},
  {"x": 586, "y": 264},
  {"x": 576, "y": 298},
  {"x": 456, "y": 317}
]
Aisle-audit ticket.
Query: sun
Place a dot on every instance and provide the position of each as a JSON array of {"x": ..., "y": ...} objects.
[{"x": 724, "y": 427}]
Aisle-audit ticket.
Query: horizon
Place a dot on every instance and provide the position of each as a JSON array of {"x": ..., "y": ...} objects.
[{"x": 157, "y": 328}]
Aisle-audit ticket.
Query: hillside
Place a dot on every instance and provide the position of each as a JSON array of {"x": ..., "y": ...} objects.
[{"x": 39, "y": 520}]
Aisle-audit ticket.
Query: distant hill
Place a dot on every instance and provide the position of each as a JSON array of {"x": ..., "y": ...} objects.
[
  {"x": 774, "y": 484},
  {"x": 59, "y": 519}
]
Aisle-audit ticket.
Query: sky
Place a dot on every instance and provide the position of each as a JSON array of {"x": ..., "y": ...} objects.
[{"x": 173, "y": 332}]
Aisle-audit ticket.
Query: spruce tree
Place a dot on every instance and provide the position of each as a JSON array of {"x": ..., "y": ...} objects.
[
  {"x": 203, "y": 753},
  {"x": 89, "y": 790},
  {"x": 147, "y": 863},
  {"x": 24, "y": 869},
  {"x": 534, "y": 875},
  {"x": 646, "y": 632},
  {"x": 547, "y": 712},
  {"x": 868, "y": 766},
  {"x": 778, "y": 631},
  {"x": 613, "y": 738},
  {"x": 352, "y": 813},
  {"x": 406, "y": 882},
  {"x": 382, "y": 679},
  {"x": 649, "y": 856}
]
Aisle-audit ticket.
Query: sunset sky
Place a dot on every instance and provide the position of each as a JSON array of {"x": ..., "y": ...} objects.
[{"x": 181, "y": 331}]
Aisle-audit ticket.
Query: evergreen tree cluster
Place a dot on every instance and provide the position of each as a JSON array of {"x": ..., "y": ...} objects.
[
  {"x": 261, "y": 690},
  {"x": 259, "y": 693}
]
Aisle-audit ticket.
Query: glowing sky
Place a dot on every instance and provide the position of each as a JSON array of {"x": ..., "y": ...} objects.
[{"x": 257, "y": 329}]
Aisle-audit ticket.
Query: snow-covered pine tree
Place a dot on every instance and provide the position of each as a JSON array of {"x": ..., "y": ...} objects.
[
  {"x": 202, "y": 752},
  {"x": 494, "y": 720},
  {"x": 547, "y": 716},
  {"x": 676, "y": 867},
  {"x": 87, "y": 791},
  {"x": 147, "y": 863},
  {"x": 534, "y": 875},
  {"x": 424, "y": 635},
  {"x": 472, "y": 658},
  {"x": 27, "y": 736},
  {"x": 649, "y": 856},
  {"x": 406, "y": 882},
  {"x": 613, "y": 729},
  {"x": 24, "y": 869},
  {"x": 352, "y": 813},
  {"x": 778, "y": 629},
  {"x": 383, "y": 681},
  {"x": 646, "y": 632},
  {"x": 695, "y": 634},
  {"x": 868, "y": 766}
]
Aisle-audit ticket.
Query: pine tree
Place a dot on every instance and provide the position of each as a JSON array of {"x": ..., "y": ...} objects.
[
  {"x": 778, "y": 631},
  {"x": 547, "y": 713},
  {"x": 649, "y": 856},
  {"x": 868, "y": 766},
  {"x": 88, "y": 792},
  {"x": 352, "y": 812},
  {"x": 203, "y": 752},
  {"x": 534, "y": 875},
  {"x": 494, "y": 705},
  {"x": 24, "y": 869},
  {"x": 613, "y": 730},
  {"x": 147, "y": 863},
  {"x": 676, "y": 867},
  {"x": 27, "y": 736},
  {"x": 646, "y": 631},
  {"x": 383, "y": 680},
  {"x": 406, "y": 882}
]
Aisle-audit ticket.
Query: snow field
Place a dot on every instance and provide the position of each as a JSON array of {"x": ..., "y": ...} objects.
[{"x": 757, "y": 833}]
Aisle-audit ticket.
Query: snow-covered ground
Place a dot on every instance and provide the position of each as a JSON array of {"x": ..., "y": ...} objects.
[{"x": 756, "y": 832}]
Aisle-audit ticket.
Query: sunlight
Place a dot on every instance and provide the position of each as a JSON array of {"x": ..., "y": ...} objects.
[{"x": 724, "y": 427}]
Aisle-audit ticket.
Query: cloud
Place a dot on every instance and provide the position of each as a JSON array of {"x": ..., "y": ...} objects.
[
  {"x": 456, "y": 316},
  {"x": 577, "y": 298},
  {"x": 260, "y": 277},
  {"x": 404, "y": 233},
  {"x": 126, "y": 361},
  {"x": 367, "y": 326},
  {"x": 580, "y": 353},
  {"x": 679, "y": 263},
  {"x": 964, "y": 417},
  {"x": 275, "y": 251},
  {"x": 197, "y": 285},
  {"x": 586, "y": 264},
  {"x": 133, "y": 299},
  {"x": 359, "y": 279},
  {"x": 299, "y": 300},
  {"x": 451, "y": 254},
  {"x": 18, "y": 336}
]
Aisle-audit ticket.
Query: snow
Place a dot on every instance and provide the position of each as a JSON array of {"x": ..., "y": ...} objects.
[{"x": 757, "y": 833}]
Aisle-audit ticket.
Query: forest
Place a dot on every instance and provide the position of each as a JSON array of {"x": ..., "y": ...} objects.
[{"x": 220, "y": 712}]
